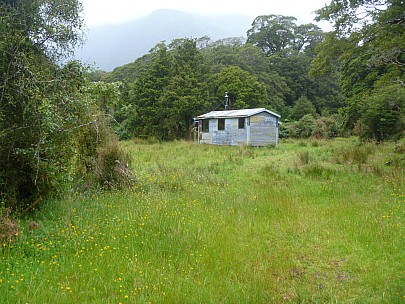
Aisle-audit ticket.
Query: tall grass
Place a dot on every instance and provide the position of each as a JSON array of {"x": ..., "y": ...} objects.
[{"x": 211, "y": 224}]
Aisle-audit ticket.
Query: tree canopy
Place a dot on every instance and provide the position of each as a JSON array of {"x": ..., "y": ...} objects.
[
  {"x": 367, "y": 47},
  {"x": 277, "y": 33}
]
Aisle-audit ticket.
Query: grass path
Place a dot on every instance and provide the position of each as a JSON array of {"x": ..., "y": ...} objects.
[{"x": 205, "y": 224}]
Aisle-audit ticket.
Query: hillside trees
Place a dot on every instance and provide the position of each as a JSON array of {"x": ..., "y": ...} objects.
[
  {"x": 252, "y": 60},
  {"x": 163, "y": 90},
  {"x": 43, "y": 106},
  {"x": 167, "y": 93},
  {"x": 324, "y": 92},
  {"x": 290, "y": 49},
  {"x": 367, "y": 46},
  {"x": 180, "y": 81}
]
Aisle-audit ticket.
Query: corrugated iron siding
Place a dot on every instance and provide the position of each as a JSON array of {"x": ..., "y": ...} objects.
[
  {"x": 263, "y": 129},
  {"x": 260, "y": 130},
  {"x": 231, "y": 135}
]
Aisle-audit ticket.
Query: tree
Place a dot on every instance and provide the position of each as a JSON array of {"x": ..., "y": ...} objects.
[
  {"x": 183, "y": 97},
  {"x": 302, "y": 107},
  {"x": 272, "y": 33},
  {"x": 307, "y": 37},
  {"x": 277, "y": 33},
  {"x": 377, "y": 26},
  {"x": 248, "y": 91},
  {"x": 167, "y": 93},
  {"x": 43, "y": 106},
  {"x": 383, "y": 115},
  {"x": 290, "y": 49},
  {"x": 144, "y": 117},
  {"x": 367, "y": 47}
]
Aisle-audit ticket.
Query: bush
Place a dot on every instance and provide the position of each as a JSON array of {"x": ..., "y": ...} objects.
[
  {"x": 112, "y": 166},
  {"x": 325, "y": 127},
  {"x": 320, "y": 129},
  {"x": 382, "y": 114},
  {"x": 9, "y": 227},
  {"x": 298, "y": 129},
  {"x": 99, "y": 159}
]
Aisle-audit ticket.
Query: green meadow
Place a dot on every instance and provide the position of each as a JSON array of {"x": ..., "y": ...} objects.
[{"x": 303, "y": 222}]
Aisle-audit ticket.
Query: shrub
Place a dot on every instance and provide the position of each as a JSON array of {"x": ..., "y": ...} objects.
[
  {"x": 320, "y": 129},
  {"x": 381, "y": 114},
  {"x": 112, "y": 166},
  {"x": 9, "y": 227},
  {"x": 326, "y": 127},
  {"x": 305, "y": 126},
  {"x": 298, "y": 129}
]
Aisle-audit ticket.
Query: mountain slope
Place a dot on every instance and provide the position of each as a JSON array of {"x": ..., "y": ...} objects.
[{"x": 109, "y": 46}]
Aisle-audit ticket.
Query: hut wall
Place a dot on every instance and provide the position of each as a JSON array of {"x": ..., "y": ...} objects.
[
  {"x": 263, "y": 129},
  {"x": 232, "y": 135}
]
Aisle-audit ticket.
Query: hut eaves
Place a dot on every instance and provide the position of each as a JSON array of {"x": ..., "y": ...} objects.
[{"x": 235, "y": 113}]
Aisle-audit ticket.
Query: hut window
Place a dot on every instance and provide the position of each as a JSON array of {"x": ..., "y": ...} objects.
[
  {"x": 221, "y": 124},
  {"x": 206, "y": 125},
  {"x": 241, "y": 123}
]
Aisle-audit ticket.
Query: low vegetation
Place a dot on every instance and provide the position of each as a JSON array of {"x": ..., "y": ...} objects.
[{"x": 307, "y": 221}]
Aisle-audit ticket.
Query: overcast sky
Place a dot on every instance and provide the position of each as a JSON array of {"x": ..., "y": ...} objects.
[{"x": 106, "y": 11}]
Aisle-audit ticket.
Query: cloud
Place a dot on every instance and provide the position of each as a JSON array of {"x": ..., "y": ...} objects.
[{"x": 107, "y": 11}]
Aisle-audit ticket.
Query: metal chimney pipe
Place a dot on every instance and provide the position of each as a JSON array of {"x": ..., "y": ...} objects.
[{"x": 226, "y": 101}]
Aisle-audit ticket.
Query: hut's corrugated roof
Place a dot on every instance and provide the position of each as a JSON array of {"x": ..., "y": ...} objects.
[{"x": 235, "y": 113}]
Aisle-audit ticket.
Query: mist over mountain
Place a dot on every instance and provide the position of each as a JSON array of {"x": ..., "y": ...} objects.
[{"x": 109, "y": 46}]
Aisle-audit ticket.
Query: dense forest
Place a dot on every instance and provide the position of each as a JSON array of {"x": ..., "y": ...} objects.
[
  {"x": 348, "y": 81},
  {"x": 56, "y": 119}
]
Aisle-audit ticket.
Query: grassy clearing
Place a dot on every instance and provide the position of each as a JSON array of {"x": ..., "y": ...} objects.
[{"x": 306, "y": 222}]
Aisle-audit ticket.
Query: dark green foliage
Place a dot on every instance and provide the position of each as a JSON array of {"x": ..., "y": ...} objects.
[
  {"x": 323, "y": 127},
  {"x": 302, "y": 107},
  {"x": 326, "y": 127},
  {"x": 272, "y": 33},
  {"x": 323, "y": 91},
  {"x": 162, "y": 91},
  {"x": 277, "y": 33},
  {"x": 50, "y": 119},
  {"x": 383, "y": 114},
  {"x": 37, "y": 97},
  {"x": 247, "y": 91},
  {"x": 367, "y": 47},
  {"x": 167, "y": 95},
  {"x": 165, "y": 89},
  {"x": 298, "y": 129}
]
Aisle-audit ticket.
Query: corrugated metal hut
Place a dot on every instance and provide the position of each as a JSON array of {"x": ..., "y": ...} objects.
[{"x": 253, "y": 127}]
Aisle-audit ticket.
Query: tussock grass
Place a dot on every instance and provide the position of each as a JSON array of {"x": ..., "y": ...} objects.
[{"x": 212, "y": 224}]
